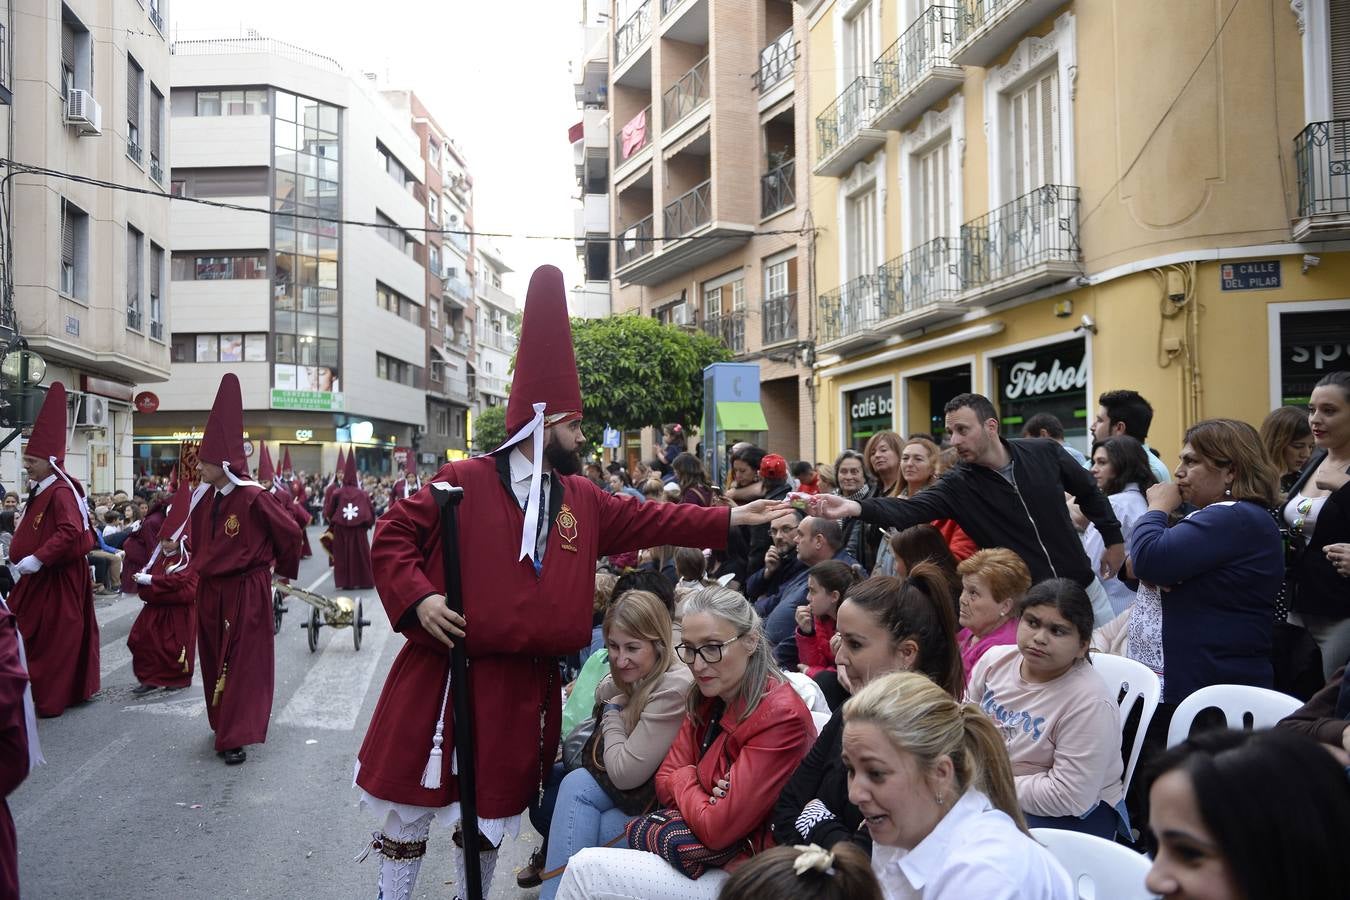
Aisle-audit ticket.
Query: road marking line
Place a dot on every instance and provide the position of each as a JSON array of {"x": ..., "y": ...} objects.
[
  {"x": 53, "y": 797},
  {"x": 187, "y": 707},
  {"x": 313, "y": 588},
  {"x": 332, "y": 694},
  {"x": 111, "y": 657}
]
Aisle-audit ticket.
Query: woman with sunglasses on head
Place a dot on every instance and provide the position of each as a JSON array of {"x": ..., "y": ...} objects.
[
  {"x": 884, "y": 625},
  {"x": 744, "y": 732}
]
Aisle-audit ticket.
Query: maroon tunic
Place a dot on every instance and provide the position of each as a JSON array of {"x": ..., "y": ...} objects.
[
  {"x": 350, "y": 516},
  {"x": 302, "y": 517},
  {"x": 163, "y": 642},
  {"x": 518, "y": 623},
  {"x": 139, "y": 547},
  {"x": 55, "y": 605},
  {"x": 13, "y": 749},
  {"x": 235, "y": 543}
]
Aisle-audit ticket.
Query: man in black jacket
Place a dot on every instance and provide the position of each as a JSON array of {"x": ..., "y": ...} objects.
[{"x": 1004, "y": 493}]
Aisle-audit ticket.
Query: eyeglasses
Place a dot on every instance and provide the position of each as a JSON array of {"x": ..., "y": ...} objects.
[{"x": 711, "y": 653}]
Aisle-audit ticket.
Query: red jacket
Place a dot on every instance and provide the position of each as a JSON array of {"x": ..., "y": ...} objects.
[
  {"x": 957, "y": 540},
  {"x": 760, "y": 753},
  {"x": 813, "y": 650}
]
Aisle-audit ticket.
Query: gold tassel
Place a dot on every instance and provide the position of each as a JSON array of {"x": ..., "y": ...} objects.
[
  {"x": 182, "y": 659},
  {"x": 220, "y": 685}
]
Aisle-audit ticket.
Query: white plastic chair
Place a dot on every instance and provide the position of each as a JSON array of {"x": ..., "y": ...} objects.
[
  {"x": 1099, "y": 868},
  {"x": 1138, "y": 683},
  {"x": 1237, "y": 702}
]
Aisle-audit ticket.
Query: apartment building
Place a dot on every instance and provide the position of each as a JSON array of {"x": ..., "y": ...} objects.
[
  {"x": 83, "y": 93},
  {"x": 707, "y": 124},
  {"x": 496, "y": 324},
  {"x": 323, "y": 322},
  {"x": 446, "y": 188},
  {"x": 591, "y": 151},
  {"x": 1041, "y": 200}
]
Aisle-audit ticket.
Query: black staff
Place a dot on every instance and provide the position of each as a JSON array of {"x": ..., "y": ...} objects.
[{"x": 448, "y": 498}]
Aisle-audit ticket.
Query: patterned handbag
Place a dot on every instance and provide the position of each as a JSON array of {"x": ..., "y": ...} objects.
[{"x": 668, "y": 835}]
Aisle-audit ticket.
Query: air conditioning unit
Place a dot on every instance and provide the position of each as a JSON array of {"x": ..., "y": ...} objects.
[
  {"x": 681, "y": 314},
  {"x": 93, "y": 413},
  {"x": 83, "y": 111}
]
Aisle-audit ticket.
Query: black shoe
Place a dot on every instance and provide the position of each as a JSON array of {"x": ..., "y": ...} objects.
[
  {"x": 235, "y": 757},
  {"x": 529, "y": 876},
  {"x": 143, "y": 689}
]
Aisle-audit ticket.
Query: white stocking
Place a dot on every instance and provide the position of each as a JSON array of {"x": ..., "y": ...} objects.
[
  {"x": 487, "y": 861},
  {"x": 399, "y": 876}
]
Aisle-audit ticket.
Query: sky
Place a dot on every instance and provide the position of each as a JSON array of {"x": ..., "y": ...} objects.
[{"x": 494, "y": 73}]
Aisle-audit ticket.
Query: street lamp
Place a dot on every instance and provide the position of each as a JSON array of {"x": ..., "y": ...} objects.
[{"x": 22, "y": 371}]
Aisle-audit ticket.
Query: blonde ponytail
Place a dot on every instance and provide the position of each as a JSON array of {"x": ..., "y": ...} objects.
[{"x": 988, "y": 768}]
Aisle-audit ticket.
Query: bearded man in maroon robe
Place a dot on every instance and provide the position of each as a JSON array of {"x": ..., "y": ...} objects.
[
  {"x": 531, "y": 532},
  {"x": 350, "y": 515},
  {"x": 163, "y": 640},
  {"x": 238, "y": 533},
  {"x": 54, "y": 599}
]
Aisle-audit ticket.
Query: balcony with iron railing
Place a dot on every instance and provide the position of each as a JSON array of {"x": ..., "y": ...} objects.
[
  {"x": 1026, "y": 243},
  {"x": 133, "y": 150},
  {"x": 986, "y": 28},
  {"x": 457, "y": 386},
  {"x": 457, "y": 341},
  {"x": 685, "y": 96},
  {"x": 779, "y": 319},
  {"x": 634, "y": 243},
  {"x": 1322, "y": 160},
  {"x": 729, "y": 328},
  {"x": 157, "y": 331},
  {"x": 916, "y": 70},
  {"x": 156, "y": 17},
  {"x": 924, "y": 285},
  {"x": 845, "y": 132},
  {"x": 134, "y": 315},
  {"x": 458, "y": 290},
  {"x": 778, "y": 189},
  {"x": 490, "y": 384},
  {"x": 497, "y": 340},
  {"x": 776, "y": 62},
  {"x": 632, "y": 33},
  {"x": 633, "y": 138},
  {"x": 156, "y": 169},
  {"x": 689, "y": 212},
  {"x": 848, "y": 315}
]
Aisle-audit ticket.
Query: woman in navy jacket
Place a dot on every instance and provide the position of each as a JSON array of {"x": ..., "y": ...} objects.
[{"x": 1220, "y": 567}]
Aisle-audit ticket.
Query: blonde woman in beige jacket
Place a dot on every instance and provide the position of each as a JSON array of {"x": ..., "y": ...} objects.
[{"x": 643, "y": 701}]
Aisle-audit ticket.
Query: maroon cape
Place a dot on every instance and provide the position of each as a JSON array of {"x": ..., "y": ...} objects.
[
  {"x": 139, "y": 547},
  {"x": 328, "y": 493},
  {"x": 348, "y": 510},
  {"x": 55, "y": 605},
  {"x": 518, "y": 624},
  {"x": 235, "y": 543},
  {"x": 302, "y": 517},
  {"x": 163, "y": 642},
  {"x": 13, "y": 749}
]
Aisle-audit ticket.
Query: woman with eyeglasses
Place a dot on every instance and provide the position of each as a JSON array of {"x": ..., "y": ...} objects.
[
  {"x": 1317, "y": 515},
  {"x": 744, "y": 732}
]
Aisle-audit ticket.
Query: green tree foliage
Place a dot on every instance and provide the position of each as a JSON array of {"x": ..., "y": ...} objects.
[
  {"x": 636, "y": 372},
  {"x": 489, "y": 429}
]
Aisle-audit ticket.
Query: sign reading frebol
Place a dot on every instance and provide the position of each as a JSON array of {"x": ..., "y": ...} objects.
[{"x": 1050, "y": 379}]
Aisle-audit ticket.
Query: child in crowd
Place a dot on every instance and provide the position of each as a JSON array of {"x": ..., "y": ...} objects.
[
  {"x": 826, "y": 585},
  {"x": 805, "y": 872},
  {"x": 1057, "y": 715}
]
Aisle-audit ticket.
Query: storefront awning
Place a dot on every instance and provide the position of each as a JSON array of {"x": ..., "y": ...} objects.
[{"x": 740, "y": 415}]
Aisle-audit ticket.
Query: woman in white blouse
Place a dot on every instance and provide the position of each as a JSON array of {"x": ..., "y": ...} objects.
[{"x": 932, "y": 779}]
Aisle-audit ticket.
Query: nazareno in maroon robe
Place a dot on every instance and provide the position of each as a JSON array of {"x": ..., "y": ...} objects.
[
  {"x": 163, "y": 641},
  {"x": 235, "y": 545},
  {"x": 518, "y": 623},
  {"x": 13, "y": 749},
  {"x": 55, "y": 605},
  {"x": 139, "y": 547},
  {"x": 350, "y": 515}
]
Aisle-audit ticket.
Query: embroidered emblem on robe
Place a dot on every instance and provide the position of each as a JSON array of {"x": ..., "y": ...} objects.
[
  {"x": 567, "y": 528},
  {"x": 232, "y": 525}
]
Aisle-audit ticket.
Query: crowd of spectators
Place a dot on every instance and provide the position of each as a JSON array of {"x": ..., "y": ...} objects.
[{"x": 895, "y": 683}]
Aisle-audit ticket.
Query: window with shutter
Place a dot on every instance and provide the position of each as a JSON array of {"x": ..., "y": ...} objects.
[
  {"x": 862, "y": 43},
  {"x": 134, "y": 77},
  {"x": 134, "y": 244},
  {"x": 67, "y": 59},
  {"x": 67, "y": 250},
  {"x": 1340, "y": 59},
  {"x": 156, "y": 125},
  {"x": 935, "y": 194},
  {"x": 1033, "y": 135},
  {"x": 862, "y": 238}
]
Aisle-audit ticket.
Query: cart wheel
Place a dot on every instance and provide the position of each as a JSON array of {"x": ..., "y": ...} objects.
[
  {"x": 278, "y": 610},
  {"x": 357, "y": 625},
  {"x": 313, "y": 625}
]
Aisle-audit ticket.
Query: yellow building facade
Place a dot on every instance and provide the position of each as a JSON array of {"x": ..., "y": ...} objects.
[{"x": 1041, "y": 201}]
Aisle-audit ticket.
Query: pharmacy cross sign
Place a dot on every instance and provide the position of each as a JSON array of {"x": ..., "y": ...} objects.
[{"x": 350, "y": 512}]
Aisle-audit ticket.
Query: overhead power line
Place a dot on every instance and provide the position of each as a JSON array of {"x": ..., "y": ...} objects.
[{"x": 18, "y": 167}]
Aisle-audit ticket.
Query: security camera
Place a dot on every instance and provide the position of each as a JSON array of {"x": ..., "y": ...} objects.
[
  {"x": 1310, "y": 262},
  {"x": 1086, "y": 324}
]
